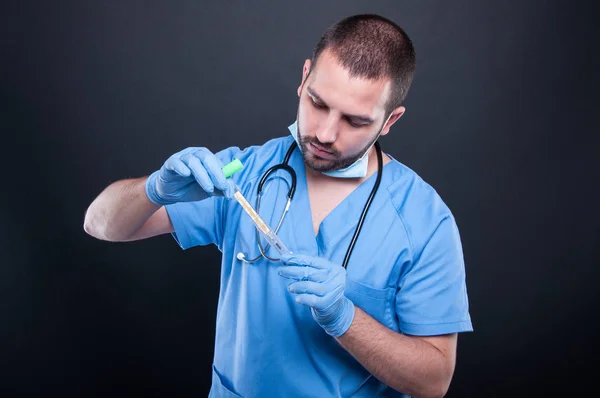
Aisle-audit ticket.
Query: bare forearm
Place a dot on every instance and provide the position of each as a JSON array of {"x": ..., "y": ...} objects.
[
  {"x": 119, "y": 210},
  {"x": 407, "y": 364}
]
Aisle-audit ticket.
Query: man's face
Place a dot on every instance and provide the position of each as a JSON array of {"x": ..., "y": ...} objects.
[{"x": 339, "y": 117}]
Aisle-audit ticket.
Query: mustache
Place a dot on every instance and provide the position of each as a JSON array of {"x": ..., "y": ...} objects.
[{"x": 314, "y": 140}]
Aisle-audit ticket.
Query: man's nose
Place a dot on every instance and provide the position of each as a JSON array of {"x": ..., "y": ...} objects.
[{"x": 327, "y": 133}]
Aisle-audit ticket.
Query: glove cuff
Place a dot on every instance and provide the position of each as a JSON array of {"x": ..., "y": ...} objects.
[
  {"x": 339, "y": 325},
  {"x": 151, "y": 190}
]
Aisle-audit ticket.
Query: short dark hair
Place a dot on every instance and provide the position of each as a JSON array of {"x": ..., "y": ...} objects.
[{"x": 373, "y": 47}]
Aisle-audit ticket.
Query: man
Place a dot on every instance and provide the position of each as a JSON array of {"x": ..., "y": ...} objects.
[{"x": 380, "y": 319}]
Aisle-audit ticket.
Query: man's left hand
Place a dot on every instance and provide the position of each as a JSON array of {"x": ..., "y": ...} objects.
[{"x": 320, "y": 285}]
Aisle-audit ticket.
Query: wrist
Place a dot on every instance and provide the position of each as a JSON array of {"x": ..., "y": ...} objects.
[
  {"x": 150, "y": 189},
  {"x": 339, "y": 322}
]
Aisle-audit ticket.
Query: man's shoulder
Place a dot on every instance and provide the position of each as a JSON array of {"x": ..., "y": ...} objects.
[
  {"x": 408, "y": 188},
  {"x": 417, "y": 203}
]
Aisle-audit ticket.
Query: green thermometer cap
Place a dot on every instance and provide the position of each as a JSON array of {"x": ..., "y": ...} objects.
[{"x": 232, "y": 167}]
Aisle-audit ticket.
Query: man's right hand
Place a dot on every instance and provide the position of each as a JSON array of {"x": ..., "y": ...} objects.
[{"x": 190, "y": 175}]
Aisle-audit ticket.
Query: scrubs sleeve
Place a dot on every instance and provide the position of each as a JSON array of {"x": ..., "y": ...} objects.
[
  {"x": 432, "y": 297},
  {"x": 197, "y": 223}
]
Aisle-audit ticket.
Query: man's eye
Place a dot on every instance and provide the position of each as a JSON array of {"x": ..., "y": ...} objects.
[
  {"x": 318, "y": 106},
  {"x": 355, "y": 125}
]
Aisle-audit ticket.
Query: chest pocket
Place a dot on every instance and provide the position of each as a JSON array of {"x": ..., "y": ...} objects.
[{"x": 378, "y": 303}]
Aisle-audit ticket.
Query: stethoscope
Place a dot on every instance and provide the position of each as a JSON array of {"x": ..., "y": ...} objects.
[{"x": 284, "y": 166}]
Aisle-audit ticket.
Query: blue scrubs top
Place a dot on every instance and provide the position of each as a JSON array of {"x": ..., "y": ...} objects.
[{"x": 406, "y": 271}]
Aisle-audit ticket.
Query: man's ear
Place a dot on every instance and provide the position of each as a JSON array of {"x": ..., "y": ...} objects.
[
  {"x": 305, "y": 73},
  {"x": 395, "y": 115}
]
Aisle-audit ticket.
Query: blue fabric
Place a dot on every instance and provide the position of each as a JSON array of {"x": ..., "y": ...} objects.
[{"x": 406, "y": 271}]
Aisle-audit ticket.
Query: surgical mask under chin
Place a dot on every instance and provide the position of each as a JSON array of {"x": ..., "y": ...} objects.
[{"x": 357, "y": 169}]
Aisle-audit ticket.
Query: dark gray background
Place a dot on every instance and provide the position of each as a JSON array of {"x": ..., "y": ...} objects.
[{"x": 499, "y": 120}]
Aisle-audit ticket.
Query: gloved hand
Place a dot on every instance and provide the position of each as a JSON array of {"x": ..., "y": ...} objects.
[
  {"x": 320, "y": 285},
  {"x": 189, "y": 175}
]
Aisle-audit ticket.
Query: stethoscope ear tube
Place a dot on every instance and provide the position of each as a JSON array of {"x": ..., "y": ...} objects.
[
  {"x": 367, "y": 205},
  {"x": 280, "y": 166}
]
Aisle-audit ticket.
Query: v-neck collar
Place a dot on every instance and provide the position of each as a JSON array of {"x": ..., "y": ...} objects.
[{"x": 347, "y": 209}]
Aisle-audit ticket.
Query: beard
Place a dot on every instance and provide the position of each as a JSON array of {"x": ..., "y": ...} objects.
[{"x": 326, "y": 165}]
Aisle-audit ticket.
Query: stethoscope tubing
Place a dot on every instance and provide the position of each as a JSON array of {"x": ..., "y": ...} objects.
[{"x": 284, "y": 166}]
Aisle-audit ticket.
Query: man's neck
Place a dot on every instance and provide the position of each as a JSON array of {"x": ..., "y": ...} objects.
[{"x": 317, "y": 176}]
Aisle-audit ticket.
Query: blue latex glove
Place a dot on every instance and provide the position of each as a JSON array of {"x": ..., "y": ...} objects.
[
  {"x": 320, "y": 285},
  {"x": 187, "y": 176}
]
